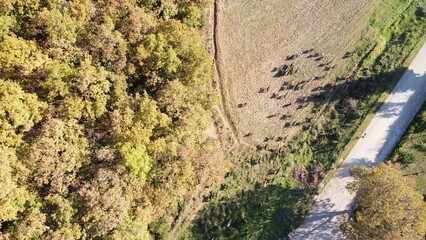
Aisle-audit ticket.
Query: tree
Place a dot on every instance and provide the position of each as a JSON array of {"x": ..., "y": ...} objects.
[
  {"x": 106, "y": 202},
  {"x": 108, "y": 45},
  {"x": 158, "y": 57},
  {"x": 12, "y": 196},
  {"x": 140, "y": 121},
  {"x": 191, "y": 12},
  {"x": 90, "y": 89},
  {"x": 102, "y": 108},
  {"x": 31, "y": 223},
  {"x": 19, "y": 57},
  {"x": 60, "y": 221},
  {"x": 56, "y": 80},
  {"x": 19, "y": 111},
  {"x": 7, "y": 25},
  {"x": 135, "y": 127},
  {"x": 387, "y": 205},
  {"x": 59, "y": 30},
  {"x": 136, "y": 158},
  {"x": 56, "y": 155}
]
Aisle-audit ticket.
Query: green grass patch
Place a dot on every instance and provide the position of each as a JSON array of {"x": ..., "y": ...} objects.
[
  {"x": 261, "y": 213},
  {"x": 411, "y": 150}
]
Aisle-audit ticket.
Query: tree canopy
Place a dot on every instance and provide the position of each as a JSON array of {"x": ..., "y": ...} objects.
[
  {"x": 102, "y": 110},
  {"x": 387, "y": 205}
]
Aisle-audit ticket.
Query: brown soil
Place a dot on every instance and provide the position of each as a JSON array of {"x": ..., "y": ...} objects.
[{"x": 309, "y": 179}]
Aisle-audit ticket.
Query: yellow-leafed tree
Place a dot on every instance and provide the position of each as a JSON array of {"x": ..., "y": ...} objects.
[{"x": 387, "y": 205}]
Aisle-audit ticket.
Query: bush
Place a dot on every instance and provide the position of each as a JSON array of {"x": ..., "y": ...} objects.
[{"x": 406, "y": 156}]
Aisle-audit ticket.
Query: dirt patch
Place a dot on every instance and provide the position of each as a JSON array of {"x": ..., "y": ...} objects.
[
  {"x": 305, "y": 178},
  {"x": 219, "y": 63}
]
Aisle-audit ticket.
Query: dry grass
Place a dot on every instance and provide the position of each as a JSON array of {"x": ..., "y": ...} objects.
[{"x": 257, "y": 36}]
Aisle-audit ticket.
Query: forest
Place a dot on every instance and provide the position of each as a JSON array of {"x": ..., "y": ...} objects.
[{"x": 102, "y": 110}]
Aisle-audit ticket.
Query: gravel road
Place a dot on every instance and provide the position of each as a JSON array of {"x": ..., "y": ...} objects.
[{"x": 381, "y": 135}]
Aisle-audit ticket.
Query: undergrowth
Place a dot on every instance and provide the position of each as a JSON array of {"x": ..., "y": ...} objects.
[{"x": 410, "y": 151}]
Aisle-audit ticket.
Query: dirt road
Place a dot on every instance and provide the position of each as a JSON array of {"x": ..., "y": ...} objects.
[{"x": 379, "y": 139}]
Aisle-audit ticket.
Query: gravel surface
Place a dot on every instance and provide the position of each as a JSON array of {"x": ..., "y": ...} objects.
[{"x": 381, "y": 135}]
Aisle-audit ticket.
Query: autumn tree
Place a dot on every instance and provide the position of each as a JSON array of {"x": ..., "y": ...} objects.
[
  {"x": 19, "y": 57},
  {"x": 13, "y": 195},
  {"x": 387, "y": 205},
  {"x": 108, "y": 202},
  {"x": 56, "y": 155},
  {"x": 19, "y": 111},
  {"x": 57, "y": 31},
  {"x": 30, "y": 224},
  {"x": 60, "y": 218},
  {"x": 103, "y": 105}
]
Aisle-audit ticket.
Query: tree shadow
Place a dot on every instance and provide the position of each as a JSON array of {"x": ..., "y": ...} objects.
[
  {"x": 269, "y": 212},
  {"x": 321, "y": 217},
  {"x": 402, "y": 105},
  {"x": 349, "y": 99},
  {"x": 363, "y": 88},
  {"x": 356, "y": 88},
  {"x": 346, "y": 166},
  {"x": 410, "y": 96},
  {"x": 348, "y": 95}
]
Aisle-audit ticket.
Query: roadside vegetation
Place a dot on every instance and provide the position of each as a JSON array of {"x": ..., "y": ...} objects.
[
  {"x": 271, "y": 189},
  {"x": 410, "y": 152}
]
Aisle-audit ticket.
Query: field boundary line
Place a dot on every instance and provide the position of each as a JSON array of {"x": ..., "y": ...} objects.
[{"x": 221, "y": 83}]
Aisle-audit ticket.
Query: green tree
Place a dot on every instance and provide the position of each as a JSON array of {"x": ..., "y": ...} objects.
[
  {"x": 387, "y": 205},
  {"x": 60, "y": 218},
  {"x": 136, "y": 158},
  {"x": 19, "y": 111},
  {"x": 13, "y": 195},
  {"x": 19, "y": 57}
]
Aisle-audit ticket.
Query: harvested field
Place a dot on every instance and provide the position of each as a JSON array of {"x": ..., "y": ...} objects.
[{"x": 277, "y": 56}]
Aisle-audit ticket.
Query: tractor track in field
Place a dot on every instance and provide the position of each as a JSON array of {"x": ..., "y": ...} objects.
[{"x": 223, "y": 110}]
